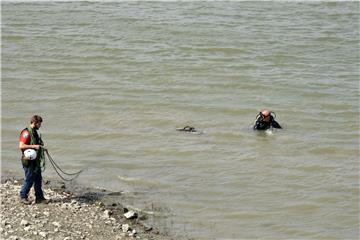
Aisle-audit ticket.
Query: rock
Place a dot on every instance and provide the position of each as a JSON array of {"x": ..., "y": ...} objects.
[
  {"x": 125, "y": 228},
  {"x": 24, "y": 223},
  {"x": 56, "y": 224},
  {"x": 131, "y": 214},
  {"x": 15, "y": 238},
  {"x": 132, "y": 233},
  {"x": 77, "y": 207},
  {"x": 57, "y": 221},
  {"x": 147, "y": 228},
  {"x": 106, "y": 214}
]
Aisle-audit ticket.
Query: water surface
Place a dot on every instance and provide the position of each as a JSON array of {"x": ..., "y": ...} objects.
[{"x": 114, "y": 80}]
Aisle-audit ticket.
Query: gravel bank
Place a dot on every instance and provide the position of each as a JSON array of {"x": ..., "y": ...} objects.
[{"x": 68, "y": 217}]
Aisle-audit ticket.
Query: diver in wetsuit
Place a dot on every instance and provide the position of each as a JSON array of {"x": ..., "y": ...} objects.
[{"x": 266, "y": 120}]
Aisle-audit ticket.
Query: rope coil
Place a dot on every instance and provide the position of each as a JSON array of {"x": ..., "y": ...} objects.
[{"x": 57, "y": 169}]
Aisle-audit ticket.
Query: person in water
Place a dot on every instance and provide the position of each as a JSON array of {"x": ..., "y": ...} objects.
[{"x": 266, "y": 120}]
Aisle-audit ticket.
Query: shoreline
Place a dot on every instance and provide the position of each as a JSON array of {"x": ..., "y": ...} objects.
[{"x": 72, "y": 214}]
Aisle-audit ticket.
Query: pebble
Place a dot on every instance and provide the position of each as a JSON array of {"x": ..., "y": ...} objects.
[
  {"x": 57, "y": 221},
  {"x": 125, "y": 228},
  {"x": 24, "y": 223},
  {"x": 106, "y": 214},
  {"x": 56, "y": 224},
  {"x": 130, "y": 214}
]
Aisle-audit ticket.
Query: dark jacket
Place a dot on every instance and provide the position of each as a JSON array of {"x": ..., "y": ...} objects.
[{"x": 260, "y": 124}]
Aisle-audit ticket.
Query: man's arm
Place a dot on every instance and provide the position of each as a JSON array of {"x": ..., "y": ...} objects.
[
  {"x": 275, "y": 124},
  {"x": 25, "y": 140},
  {"x": 24, "y": 146},
  {"x": 258, "y": 125}
]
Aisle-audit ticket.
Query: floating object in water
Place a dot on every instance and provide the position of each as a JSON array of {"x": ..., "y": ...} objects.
[{"x": 187, "y": 129}]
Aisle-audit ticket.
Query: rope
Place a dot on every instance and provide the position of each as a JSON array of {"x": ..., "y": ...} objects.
[
  {"x": 42, "y": 160},
  {"x": 57, "y": 169}
]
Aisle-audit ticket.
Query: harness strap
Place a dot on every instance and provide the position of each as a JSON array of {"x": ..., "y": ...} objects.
[{"x": 40, "y": 160}]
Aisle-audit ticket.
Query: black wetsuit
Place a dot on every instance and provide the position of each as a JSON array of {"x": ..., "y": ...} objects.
[{"x": 262, "y": 125}]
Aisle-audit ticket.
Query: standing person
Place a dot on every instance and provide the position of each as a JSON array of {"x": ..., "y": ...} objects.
[
  {"x": 266, "y": 120},
  {"x": 30, "y": 139}
]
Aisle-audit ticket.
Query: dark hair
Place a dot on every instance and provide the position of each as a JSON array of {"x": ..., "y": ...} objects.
[{"x": 36, "y": 119}]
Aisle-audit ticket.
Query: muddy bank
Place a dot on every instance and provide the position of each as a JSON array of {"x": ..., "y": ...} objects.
[{"x": 80, "y": 213}]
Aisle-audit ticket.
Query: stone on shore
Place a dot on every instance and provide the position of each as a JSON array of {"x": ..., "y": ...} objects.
[
  {"x": 131, "y": 214},
  {"x": 64, "y": 218}
]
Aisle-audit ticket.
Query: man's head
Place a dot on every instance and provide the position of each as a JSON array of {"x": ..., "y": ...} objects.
[
  {"x": 35, "y": 122},
  {"x": 266, "y": 115}
]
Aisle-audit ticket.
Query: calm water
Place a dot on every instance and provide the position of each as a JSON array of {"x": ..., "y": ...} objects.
[{"x": 114, "y": 80}]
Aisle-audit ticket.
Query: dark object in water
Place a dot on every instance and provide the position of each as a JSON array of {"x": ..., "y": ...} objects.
[
  {"x": 266, "y": 120},
  {"x": 187, "y": 129}
]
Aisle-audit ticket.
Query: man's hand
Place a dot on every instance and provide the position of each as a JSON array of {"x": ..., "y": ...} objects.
[{"x": 43, "y": 147}]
